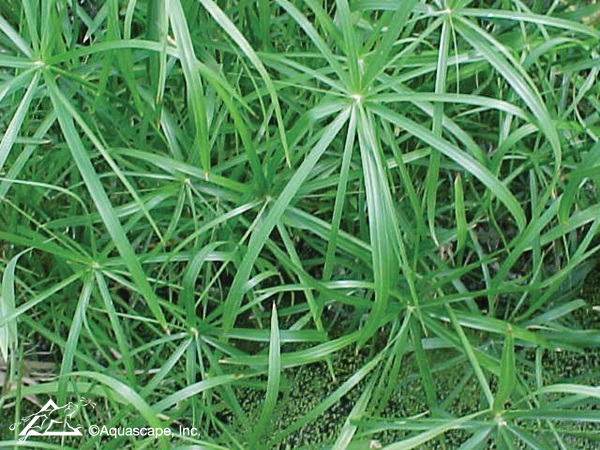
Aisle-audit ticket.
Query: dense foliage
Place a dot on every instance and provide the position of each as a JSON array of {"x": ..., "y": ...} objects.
[{"x": 348, "y": 224}]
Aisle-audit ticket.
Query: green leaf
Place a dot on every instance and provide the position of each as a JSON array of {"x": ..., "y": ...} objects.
[
  {"x": 15, "y": 124},
  {"x": 460, "y": 215},
  {"x": 273, "y": 381},
  {"x": 193, "y": 82},
  {"x": 73, "y": 338},
  {"x": 224, "y": 22},
  {"x": 420, "y": 439},
  {"x": 497, "y": 55},
  {"x": 9, "y": 336},
  {"x": 92, "y": 181},
  {"x": 467, "y": 162},
  {"x": 15, "y": 37},
  {"x": 192, "y": 390},
  {"x": 259, "y": 237},
  {"x": 348, "y": 430},
  {"x": 381, "y": 56},
  {"x": 472, "y": 356},
  {"x": 383, "y": 224},
  {"x": 508, "y": 374},
  {"x": 530, "y": 17}
]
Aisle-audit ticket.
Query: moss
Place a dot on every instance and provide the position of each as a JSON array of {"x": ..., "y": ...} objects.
[
  {"x": 456, "y": 386},
  {"x": 311, "y": 385},
  {"x": 589, "y": 317}
]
